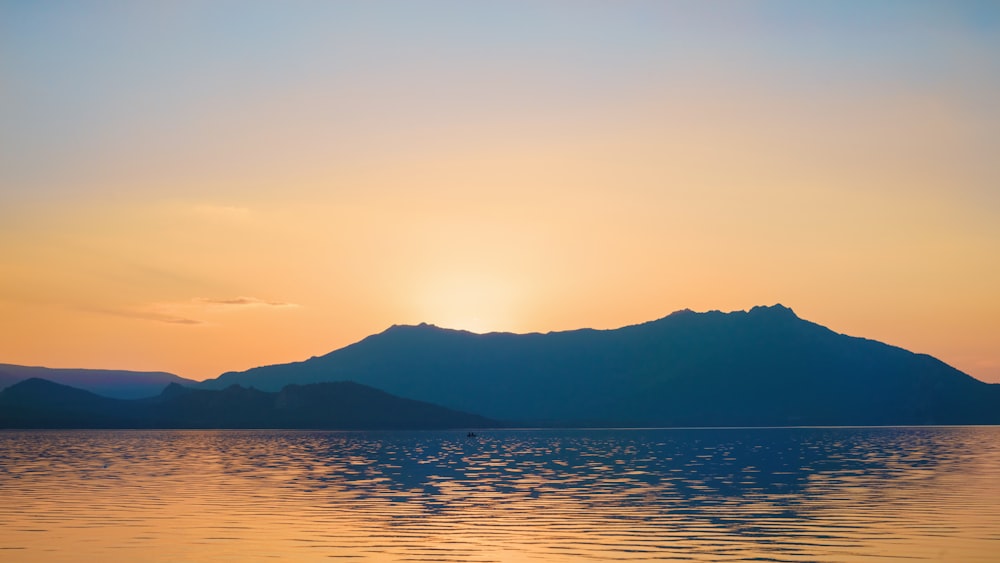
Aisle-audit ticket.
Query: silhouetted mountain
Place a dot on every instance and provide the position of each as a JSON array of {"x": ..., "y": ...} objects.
[
  {"x": 762, "y": 367},
  {"x": 37, "y": 403},
  {"x": 109, "y": 383}
]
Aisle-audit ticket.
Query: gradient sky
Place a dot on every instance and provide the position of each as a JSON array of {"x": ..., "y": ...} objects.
[{"x": 199, "y": 187}]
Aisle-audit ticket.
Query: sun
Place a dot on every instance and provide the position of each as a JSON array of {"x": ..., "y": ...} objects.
[{"x": 470, "y": 301}]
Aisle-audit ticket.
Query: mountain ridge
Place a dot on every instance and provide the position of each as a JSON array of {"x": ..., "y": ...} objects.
[
  {"x": 118, "y": 384},
  {"x": 765, "y": 366},
  {"x": 39, "y": 403}
]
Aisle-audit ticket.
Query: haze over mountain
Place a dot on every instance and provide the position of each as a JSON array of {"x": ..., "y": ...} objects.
[
  {"x": 762, "y": 367},
  {"x": 37, "y": 403},
  {"x": 119, "y": 384}
]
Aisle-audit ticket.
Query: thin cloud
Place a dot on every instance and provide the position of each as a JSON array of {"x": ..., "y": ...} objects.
[
  {"x": 177, "y": 320},
  {"x": 244, "y": 302},
  {"x": 177, "y": 313},
  {"x": 147, "y": 316}
]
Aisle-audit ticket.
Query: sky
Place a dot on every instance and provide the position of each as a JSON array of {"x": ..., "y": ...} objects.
[{"x": 199, "y": 187}]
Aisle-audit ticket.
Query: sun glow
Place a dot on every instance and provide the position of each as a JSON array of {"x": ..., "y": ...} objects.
[{"x": 473, "y": 301}]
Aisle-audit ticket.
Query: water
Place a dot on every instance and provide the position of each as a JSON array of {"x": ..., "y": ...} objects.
[{"x": 833, "y": 494}]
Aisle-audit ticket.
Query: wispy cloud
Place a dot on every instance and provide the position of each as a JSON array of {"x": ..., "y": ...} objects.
[
  {"x": 244, "y": 302},
  {"x": 186, "y": 312},
  {"x": 147, "y": 315}
]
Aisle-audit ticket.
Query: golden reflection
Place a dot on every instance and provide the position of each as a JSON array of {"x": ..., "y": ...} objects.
[{"x": 788, "y": 494}]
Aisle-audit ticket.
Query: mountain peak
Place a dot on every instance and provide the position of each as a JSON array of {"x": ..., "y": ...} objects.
[
  {"x": 776, "y": 310},
  {"x": 682, "y": 312},
  {"x": 35, "y": 387},
  {"x": 412, "y": 328}
]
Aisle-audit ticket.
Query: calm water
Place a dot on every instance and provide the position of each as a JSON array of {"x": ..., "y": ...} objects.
[{"x": 842, "y": 494}]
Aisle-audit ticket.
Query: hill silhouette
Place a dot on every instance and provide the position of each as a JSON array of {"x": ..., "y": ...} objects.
[
  {"x": 37, "y": 403},
  {"x": 119, "y": 384},
  {"x": 761, "y": 367}
]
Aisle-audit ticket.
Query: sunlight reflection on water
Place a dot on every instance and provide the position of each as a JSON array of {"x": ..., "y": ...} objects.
[{"x": 821, "y": 494}]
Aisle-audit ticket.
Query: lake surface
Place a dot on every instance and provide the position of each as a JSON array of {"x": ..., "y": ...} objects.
[{"x": 805, "y": 494}]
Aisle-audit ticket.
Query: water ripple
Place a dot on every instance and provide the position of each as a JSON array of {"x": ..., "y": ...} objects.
[{"x": 836, "y": 494}]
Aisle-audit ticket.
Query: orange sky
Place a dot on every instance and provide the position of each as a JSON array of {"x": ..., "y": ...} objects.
[{"x": 199, "y": 189}]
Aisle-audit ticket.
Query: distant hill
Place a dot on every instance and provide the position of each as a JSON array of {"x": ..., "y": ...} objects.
[
  {"x": 109, "y": 383},
  {"x": 762, "y": 367},
  {"x": 37, "y": 403}
]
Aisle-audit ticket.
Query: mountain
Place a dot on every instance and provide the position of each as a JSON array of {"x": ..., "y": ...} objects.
[
  {"x": 37, "y": 403},
  {"x": 760, "y": 367},
  {"x": 109, "y": 383}
]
